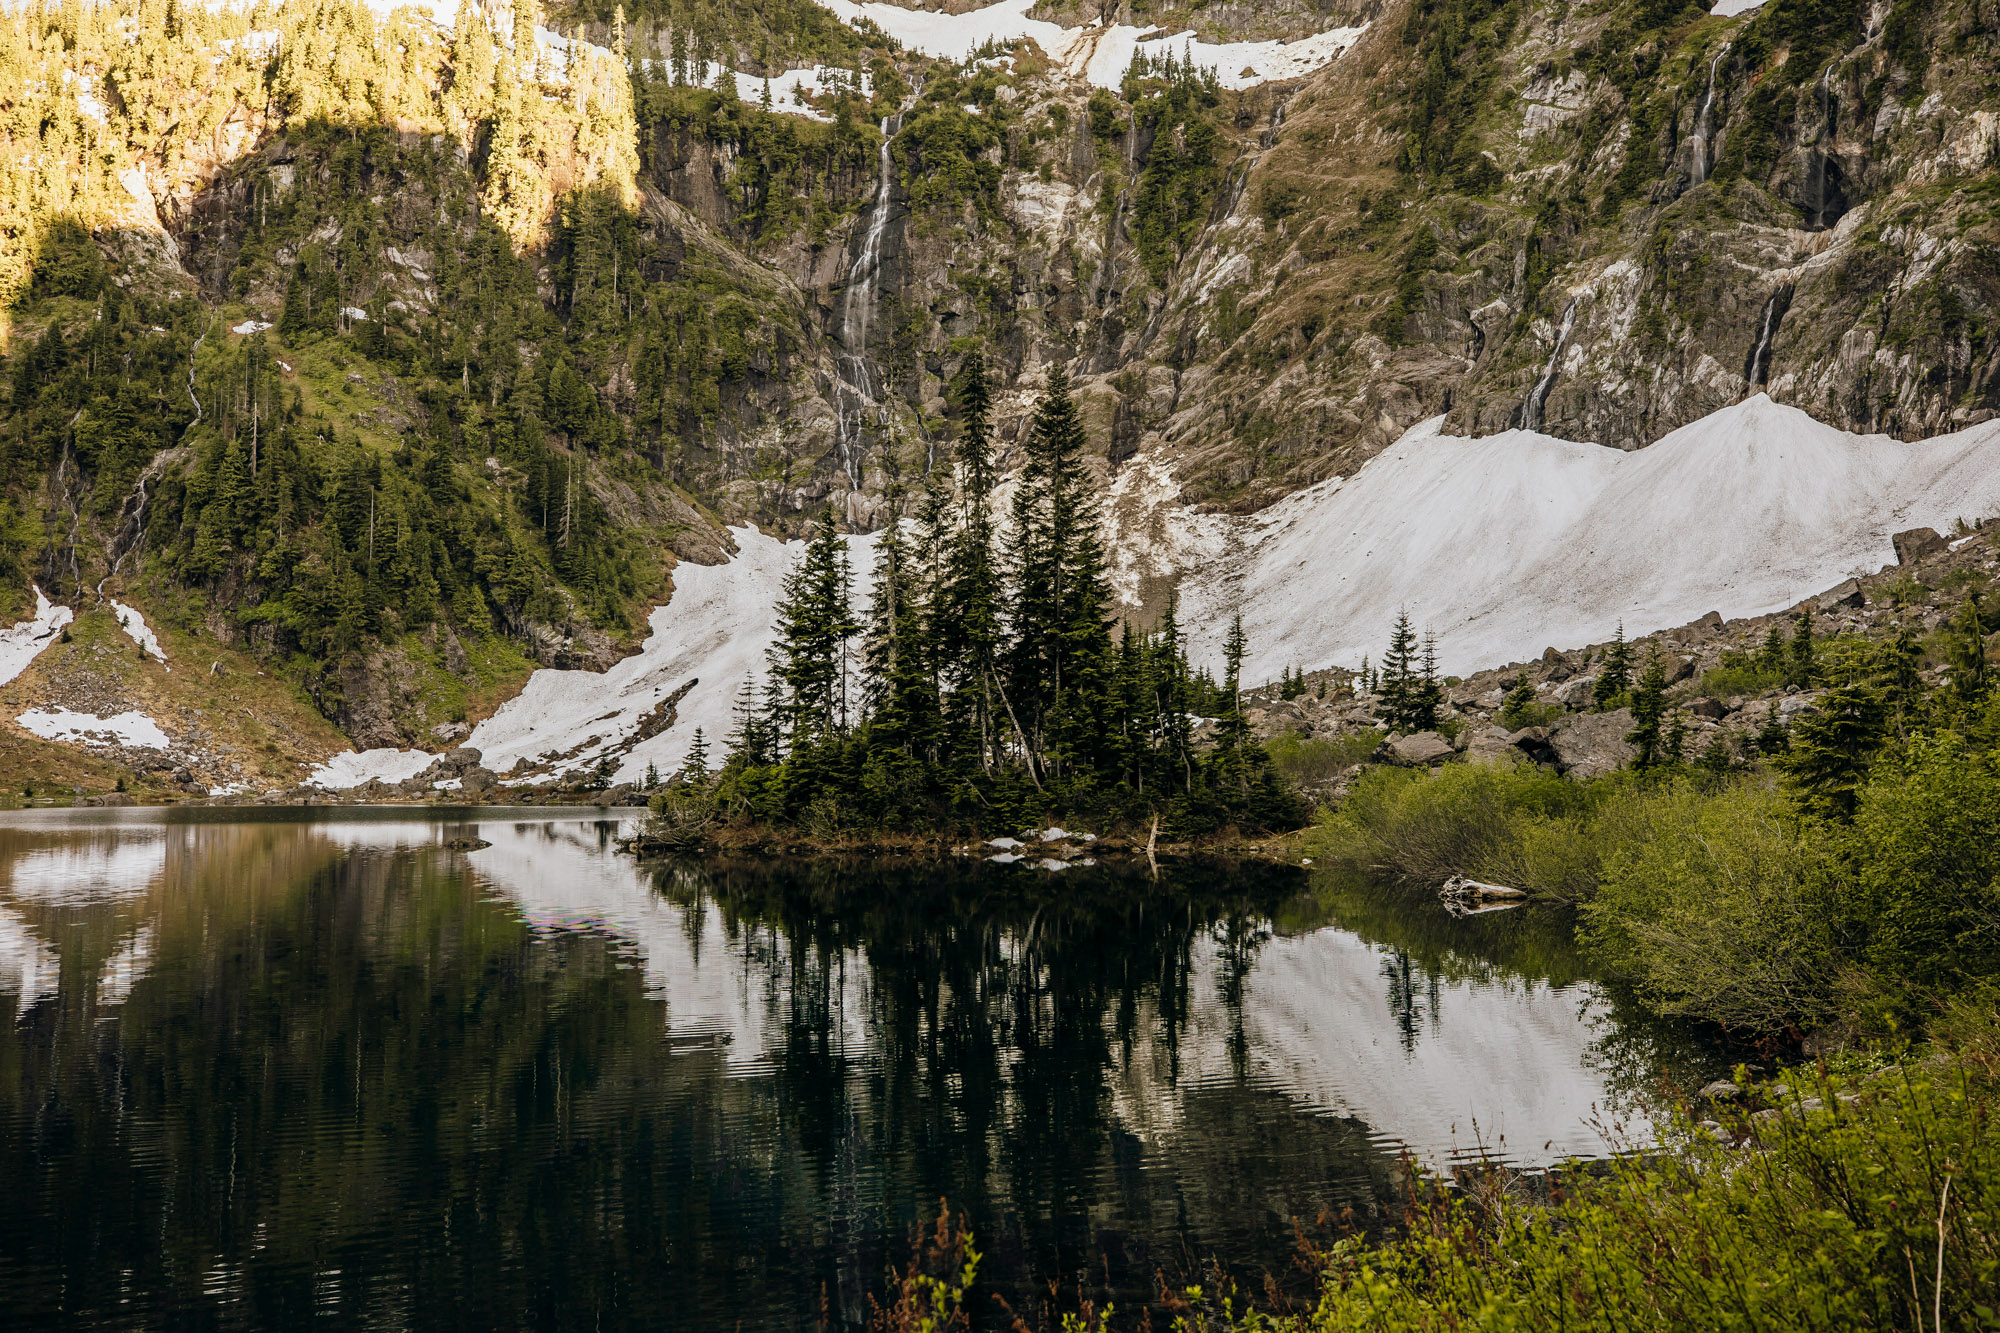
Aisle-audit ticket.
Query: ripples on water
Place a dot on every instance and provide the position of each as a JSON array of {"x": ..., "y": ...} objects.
[{"x": 263, "y": 1067}]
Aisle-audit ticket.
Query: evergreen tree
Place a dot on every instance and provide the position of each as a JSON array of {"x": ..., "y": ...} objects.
[
  {"x": 1615, "y": 676},
  {"x": 815, "y": 623},
  {"x": 1514, "y": 709},
  {"x": 1771, "y": 657},
  {"x": 1773, "y": 737},
  {"x": 1398, "y": 686},
  {"x": 695, "y": 768},
  {"x": 1430, "y": 691},
  {"x": 1649, "y": 706},
  {"x": 969, "y": 629},
  {"x": 1801, "y": 655},
  {"x": 1831, "y": 749},
  {"x": 1061, "y": 645},
  {"x": 1232, "y": 732},
  {"x": 1965, "y": 654}
]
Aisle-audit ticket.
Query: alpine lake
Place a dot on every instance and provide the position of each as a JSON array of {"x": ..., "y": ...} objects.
[{"x": 371, "y": 1067}]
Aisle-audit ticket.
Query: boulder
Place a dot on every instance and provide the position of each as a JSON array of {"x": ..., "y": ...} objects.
[
  {"x": 447, "y": 732},
  {"x": 1425, "y": 747},
  {"x": 1589, "y": 745},
  {"x": 1492, "y": 745},
  {"x": 463, "y": 758},
  {"x": 1713, "y": 709},
  {"x": 1679, "y": 669},
  {"x": 1847, "y": 594},
  {"x": 1577, "y": 693},
  {"x": 1916, "y": 543}
]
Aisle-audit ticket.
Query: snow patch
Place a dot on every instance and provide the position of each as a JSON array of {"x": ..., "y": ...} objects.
[
  {"x": 23, "y": 642},
  {"x": 1513, "y": 542},
  {"x": 137, "y": 630},
  {"x": 53, "y": 722},
  {"x": 351, "y": 770},
  {"x": 249, "y": 326},
  {"x": 1101, "y": 53},
  {"x": 709, "y": 639},
  {"x": 1729, "y": 9}
]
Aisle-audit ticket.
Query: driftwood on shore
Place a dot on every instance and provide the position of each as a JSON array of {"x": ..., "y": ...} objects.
[{"x": 1469, "y": 897}]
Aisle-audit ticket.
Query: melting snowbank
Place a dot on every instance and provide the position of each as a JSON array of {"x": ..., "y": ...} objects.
[
  {"x": 137, "y": 630},
  {"x": 1099, "y": 54},
  {"x": 55, "y": 723},
  {"x": 23, "y": 642},
  {"x": 351, "y": 769},
  {"x": 707, "y": 642},
  {"x": 1507, "y": 544}
]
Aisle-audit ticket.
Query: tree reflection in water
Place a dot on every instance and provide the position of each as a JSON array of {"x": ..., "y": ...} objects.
[{"x": 266, "y": 1072}]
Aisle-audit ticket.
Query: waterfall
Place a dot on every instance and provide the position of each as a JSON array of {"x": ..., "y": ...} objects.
[
  {"x": 1538, "y": 397},
  {"x": 857, "y": 311},
  {"x": 1757, "y": 370},
  {"x": 1701, "y": 121},
  {"x": 1823, "y": 201}
]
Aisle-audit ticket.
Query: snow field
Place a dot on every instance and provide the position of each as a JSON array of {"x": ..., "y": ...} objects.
[
  {"x": 131, "y": 728},
  {"x": 24, "y": 641},
  {"x": 1101, "y": 54},
  {"x": 1514, "y": 542},
  {"x": 137, "y": 630}
]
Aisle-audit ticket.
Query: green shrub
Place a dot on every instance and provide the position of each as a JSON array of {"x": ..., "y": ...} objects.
[
  {"x": 1869, "y": 1203},
  {"x": 1463, "y": 819},
  {"x": 1722, "y": 905},
  {"x": 1305, "y": 763}
]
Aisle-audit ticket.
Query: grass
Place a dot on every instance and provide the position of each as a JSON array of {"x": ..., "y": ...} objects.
[
  {"x": 1307, "y": 763},
  {"x": 1859, "y": 1200}
]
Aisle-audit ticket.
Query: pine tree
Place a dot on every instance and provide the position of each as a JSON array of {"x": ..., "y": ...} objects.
[
  {"x": 1902, "y": 685},
  {"x": 1800, "y": 655},
  {"x": 694, "y": 769},
  {"x": 1398, "y": 686},
  {"x": 1232, "y": 732},
  {"x": 1614, "y": 678},
  {"x": 1514, "y": 708},
  {"x": 1430, "y": 692},
  {"x": 809, "y": 660},
  {"x": 1649, "y": 706},
  {"x": 969, "y": 631},
  {"x": 1965, "y": 654},
  {"x": 1773, "y": 738},
  {"x": 1831, "y": 749},
  {"x": 1062, "y": 643},
  {"x": 1770, "y": 658}
]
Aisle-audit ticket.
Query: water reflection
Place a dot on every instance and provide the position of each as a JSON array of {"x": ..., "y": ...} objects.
[{"x": 322, "y": 1065}]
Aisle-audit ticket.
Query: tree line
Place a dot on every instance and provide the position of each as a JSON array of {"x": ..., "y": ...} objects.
[{"x": 988, "y": 683}]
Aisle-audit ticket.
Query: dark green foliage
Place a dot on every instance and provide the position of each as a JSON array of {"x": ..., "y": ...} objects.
[
  {"x": 1409, "y": 691},
  {"x": 1180, "y": 170},
  {"x": 990, "y": 689},
  {"x": 1831, "y": 749},
  {"x": 1458, "y": 43},
  {"x": 1614, "y": 677},
  {"x": 1649, "y": 707}
]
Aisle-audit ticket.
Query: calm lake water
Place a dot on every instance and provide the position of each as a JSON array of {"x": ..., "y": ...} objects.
[{"x": 260, "y": 1068}]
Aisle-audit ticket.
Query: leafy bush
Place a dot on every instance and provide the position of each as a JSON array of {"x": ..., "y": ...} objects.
[
  {"x": 1869, "y": 1202},
  {"x": 1463, "y": 819},
  {"x": 1306, "y": 763},
  {"x": 1722, "y": 905}
]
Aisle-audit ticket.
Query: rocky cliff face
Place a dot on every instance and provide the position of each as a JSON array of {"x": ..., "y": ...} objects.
[{"x": 1602, "y": 225}]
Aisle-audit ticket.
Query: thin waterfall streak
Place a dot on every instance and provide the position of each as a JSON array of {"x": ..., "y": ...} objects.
[
  {"x": 857, "y": 312},
  {"x": 1757, "y": 371},
  {"x": 1538, "y": 397},
  {"x": 1701, "y": 120}
]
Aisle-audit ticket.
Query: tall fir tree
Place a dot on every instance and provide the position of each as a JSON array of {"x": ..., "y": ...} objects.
[
  {"x": 1649, "y": 707},
  {"x": 1614, "y": 678},
  {"x": 1061, "y": 644}
]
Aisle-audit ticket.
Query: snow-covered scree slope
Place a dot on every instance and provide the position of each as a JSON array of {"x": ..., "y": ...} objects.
[
  {"x": 1514, "y": 542},
  {"x": 1099, "y": 54},
  {"x": 709, "y": 639},
  {"x": 23, "y": 642},
  {"x": 1503, "y": 546}
]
